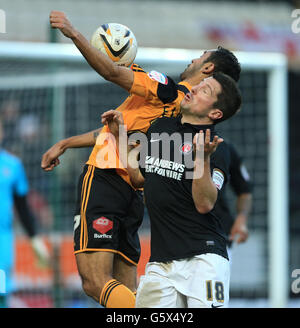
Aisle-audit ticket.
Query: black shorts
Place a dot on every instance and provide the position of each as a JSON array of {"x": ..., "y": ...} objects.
[{"x": 108, "y": 214}]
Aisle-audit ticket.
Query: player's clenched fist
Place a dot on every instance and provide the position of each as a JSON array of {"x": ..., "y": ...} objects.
[
  {"x": 112, "y": 115},
  {"x": 51, "y": 158},
  {"x": 113, "y": 119},
  {"x": 59, "y": 20}
]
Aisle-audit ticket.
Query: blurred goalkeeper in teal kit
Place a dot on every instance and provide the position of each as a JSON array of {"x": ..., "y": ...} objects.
[{"x": 14, "y": 190}]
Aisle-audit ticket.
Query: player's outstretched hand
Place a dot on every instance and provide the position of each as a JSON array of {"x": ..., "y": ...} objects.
[
  {"x": 113, "y": 119},
  {"x": 59, "y": 20},
  {"x": 50, "y": 158},
  {"x": 202, "y": 142}
]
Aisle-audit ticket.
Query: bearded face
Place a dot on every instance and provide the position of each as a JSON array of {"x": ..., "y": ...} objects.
[{"x": 195, "y": 66}]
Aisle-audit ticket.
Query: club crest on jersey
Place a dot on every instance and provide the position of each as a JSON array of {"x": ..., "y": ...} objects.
[
  {"x": 159, "y": 77},
  {"x": 102, "y": 225},
  {"x": 186, "y": 148}
]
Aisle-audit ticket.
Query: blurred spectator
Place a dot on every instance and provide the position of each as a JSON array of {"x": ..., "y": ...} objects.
[
  {"x": 28, "y": 128},
  {"x": 10, "y": 113}
]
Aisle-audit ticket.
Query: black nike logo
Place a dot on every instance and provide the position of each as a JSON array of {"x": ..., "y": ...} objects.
[{"x": 216, "y": 306}]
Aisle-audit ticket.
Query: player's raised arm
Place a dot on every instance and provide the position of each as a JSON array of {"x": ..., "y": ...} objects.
[
  {"x": 127, "y": 153},
  {"x": 50, "y": 158},
  {"x": 204, "y": 191},
  {"x": 101, "y": 63}
]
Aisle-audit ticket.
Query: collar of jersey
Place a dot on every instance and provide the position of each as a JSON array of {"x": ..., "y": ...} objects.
[
  {"x": 196, "y": 127},
  {"x": 186, "y": 84}
]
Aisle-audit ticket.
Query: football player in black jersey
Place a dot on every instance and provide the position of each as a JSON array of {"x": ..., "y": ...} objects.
[{"x": 189, "y": 264}]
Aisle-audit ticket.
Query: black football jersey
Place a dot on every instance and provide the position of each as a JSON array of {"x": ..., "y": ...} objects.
[{"x": 178, "y": 230}]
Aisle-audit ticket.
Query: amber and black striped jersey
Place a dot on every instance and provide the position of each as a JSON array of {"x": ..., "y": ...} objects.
[{"x": 152, "y": 95}]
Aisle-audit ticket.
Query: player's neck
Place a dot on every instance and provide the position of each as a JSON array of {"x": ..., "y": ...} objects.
[{"x": 195, "y": 120}]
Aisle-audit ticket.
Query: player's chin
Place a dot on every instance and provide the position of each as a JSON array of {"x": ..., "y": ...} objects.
[
  {"x": 182, "y": 76},
  {"x": 184, "y": 106}
]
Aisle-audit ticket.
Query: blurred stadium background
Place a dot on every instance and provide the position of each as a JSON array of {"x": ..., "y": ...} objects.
[{"x": 42, "y": 101}]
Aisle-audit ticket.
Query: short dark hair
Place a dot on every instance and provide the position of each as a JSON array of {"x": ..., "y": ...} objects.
[
  {"x": 229, "y": 99},
  {"x": 226, "y": 62}
]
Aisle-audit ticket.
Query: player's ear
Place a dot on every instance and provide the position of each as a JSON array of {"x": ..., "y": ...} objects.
[
  {"x": 215, "y": 114},
  {"x": 208, "y": 68}
]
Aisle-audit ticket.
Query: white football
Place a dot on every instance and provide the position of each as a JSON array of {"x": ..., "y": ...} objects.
[{"x": 116, "y": 41}]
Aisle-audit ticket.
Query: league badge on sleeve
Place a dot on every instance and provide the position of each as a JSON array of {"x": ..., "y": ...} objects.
[
  {"x": 159, "y": 77},
  {"x": 218, "y": 179}
]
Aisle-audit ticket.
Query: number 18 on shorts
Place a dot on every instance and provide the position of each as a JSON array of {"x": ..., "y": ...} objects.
[{"x": 198, "y": 282}]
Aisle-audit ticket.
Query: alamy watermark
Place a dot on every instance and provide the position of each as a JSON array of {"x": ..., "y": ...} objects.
[
  {"x": 2, "y": 21},
  {"x": 296, "y": 23},
  {"x": 174, "y": 156},
  {"x": 296, "y": 283},
  {"x": 2, "y": 282}
]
